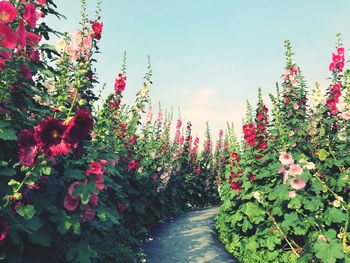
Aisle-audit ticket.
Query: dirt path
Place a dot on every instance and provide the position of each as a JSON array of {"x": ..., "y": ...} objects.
[{"x": 187, "y": 238}]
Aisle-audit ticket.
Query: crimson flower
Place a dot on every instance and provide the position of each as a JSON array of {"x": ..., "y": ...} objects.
[
  {"x": 97, "y": 28},
  {"x": 49, "y": 137},
  {"x": 22, "y": 34},
  {"x": 93, "y": 200},
  {"x": 28, "y": 149},
  {"x": 78, "y": 127},
  {"x": 7, "y": 12},
  {"x": 133, "y": 165},
  {"x": 70, "y": 203},
  {"x": 8, "y": 38},
  {"x": 30, "y": 15},
  {"x": 88, "y": 215}
]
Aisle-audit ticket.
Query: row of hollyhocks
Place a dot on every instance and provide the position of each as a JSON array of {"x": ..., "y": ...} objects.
[
  {"x": 286, "y": 194},
  {"x": 80, "y": 185}
]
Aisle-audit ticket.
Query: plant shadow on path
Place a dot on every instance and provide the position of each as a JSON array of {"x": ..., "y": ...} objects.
[{"x": 187, "y": 238}]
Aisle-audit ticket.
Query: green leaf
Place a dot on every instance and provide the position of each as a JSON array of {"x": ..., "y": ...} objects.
[
  {"x": 46, "y": 170},
  {"x": 329, "y": 253},
  {"x": 322, "y": 154},
  {"x": 6, "y": 171},
  {"x": 334, "y": 215},
  {"x": 27, "y": 211},
  {"x": 7, "y": 134},
  {"x": 254, "y": 212},
  {"x": 313, "y": 205}
]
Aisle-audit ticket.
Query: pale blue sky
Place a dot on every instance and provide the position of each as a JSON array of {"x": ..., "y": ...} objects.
[{"x": 209, "y": 56}]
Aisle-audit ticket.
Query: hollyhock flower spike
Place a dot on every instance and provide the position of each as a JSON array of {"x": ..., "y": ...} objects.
[{"x": 7, "y": 12}]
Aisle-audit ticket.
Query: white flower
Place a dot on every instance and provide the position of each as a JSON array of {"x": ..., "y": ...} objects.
[
  {"x": 257, "y": 195},
  {"x": 310, "y": 166},
  {"x": 342, "y": 135},
  {"x": 336, "y": 203}
]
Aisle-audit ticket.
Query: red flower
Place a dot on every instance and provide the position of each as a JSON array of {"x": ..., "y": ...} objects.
[
  {"x": 33, "y": 39},
  {"x": 79, "y": 127},
  {"x": 4, "y": 229},
  {"x": 28, "y": 149},
  {"x": 41, "y": 2},
  {"x": 338, "y": 61},
  {"x": 97, "y": 28},
  {"x": 133, "y": 139},
  {"x": 7, "y": 12},
  {"x": 93, "y": 200},
  {"x": 8, "y": 38},
  {"x": 70, "y": 203},
  {"x": 121, "y": 207},
  {"x": 100, "y": 182},
  {"x": 94, "y": 168},
  {"x": 30, "y": 15},
  {"x": 133, "y": 165},
  {"x": 22, "y": 34},
  {"x": 49, "y": 137},
  {"x": 88, "y": 215}
]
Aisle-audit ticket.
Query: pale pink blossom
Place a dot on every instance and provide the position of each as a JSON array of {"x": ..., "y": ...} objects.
[
  {"x": 292, "y": 194},
  {"x": 297, "y": 184},
  {"x": 295, "y": 169},
  {"x": 286, "y": 159}
]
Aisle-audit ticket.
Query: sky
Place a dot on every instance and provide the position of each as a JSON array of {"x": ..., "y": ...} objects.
[{"x": 210, "y": 56}]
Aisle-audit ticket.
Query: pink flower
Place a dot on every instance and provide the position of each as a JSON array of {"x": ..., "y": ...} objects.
[
  {"x": 281, "y": 170},
  {"x": 292, "y": 194},
  {"x": 7, "y": 12},
  {"x": 295, "y": 169},
  {"x": 30, "y": 15},
  {"x": 295, "y": 106},
  {"x": 133, "y": 165},
  {"x": 41, "y": 2},
  {"x": 100, "y": 182},
  {"x": 297, "y": 184},
  {"x": 22, "y": 34},
  {"x": 286, "y": 159}
]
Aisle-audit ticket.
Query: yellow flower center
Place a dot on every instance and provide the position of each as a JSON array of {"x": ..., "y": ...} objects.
[{"x": 4, "y": 16}]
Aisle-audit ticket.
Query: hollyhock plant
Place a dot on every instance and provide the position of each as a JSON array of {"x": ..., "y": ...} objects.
[
  {"x": 7, "y": 12},
  {"x": 49, "y": 137}
]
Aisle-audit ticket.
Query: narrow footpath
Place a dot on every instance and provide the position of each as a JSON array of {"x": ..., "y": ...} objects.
[{"x": 187, "y": 238}]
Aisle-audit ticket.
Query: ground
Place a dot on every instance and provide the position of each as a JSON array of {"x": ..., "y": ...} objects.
[{"x": 187, "y": 238}]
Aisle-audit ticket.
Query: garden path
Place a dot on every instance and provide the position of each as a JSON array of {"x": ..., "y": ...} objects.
[{"x": 187, "y": 238}]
